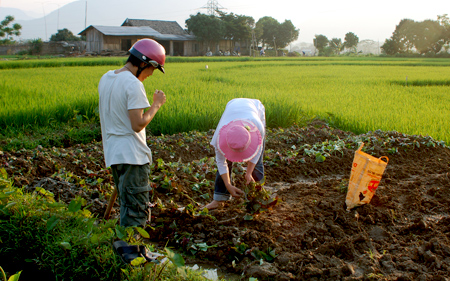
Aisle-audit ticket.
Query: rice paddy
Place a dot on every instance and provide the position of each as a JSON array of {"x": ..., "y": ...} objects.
[{"x": 358, "y": 94}]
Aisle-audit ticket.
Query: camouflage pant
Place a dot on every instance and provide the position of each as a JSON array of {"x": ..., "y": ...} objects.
[{"x": 132, "y": 182}]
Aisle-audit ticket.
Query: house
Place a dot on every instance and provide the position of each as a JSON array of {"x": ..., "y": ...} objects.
[
  {"x": 196, "y": 48},
  {"x": 175, "y": 40}
]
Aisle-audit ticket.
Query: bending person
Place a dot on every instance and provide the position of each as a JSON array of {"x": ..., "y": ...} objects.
[{"x": 239, "y": 137}]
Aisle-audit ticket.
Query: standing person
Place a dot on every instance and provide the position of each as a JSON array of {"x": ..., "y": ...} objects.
[
  {"x": 239, "y": 137},
  {"x": 124, "y": 113}
]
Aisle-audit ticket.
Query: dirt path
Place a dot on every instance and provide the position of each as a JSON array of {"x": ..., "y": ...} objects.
[{"x": 403, "y": 234}]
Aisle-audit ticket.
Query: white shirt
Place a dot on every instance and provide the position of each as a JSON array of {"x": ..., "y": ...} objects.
[
  {"x": 119, "y": 93},
  {"x": 240, "y": 108}
]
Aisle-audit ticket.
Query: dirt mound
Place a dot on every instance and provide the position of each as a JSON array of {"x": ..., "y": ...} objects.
[{"x": 403, "y": 234}]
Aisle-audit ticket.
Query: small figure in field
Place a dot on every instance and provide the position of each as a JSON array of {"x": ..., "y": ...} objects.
[
  {"x": 124, "y": 113},
  {"x": 239, "y": 137}
]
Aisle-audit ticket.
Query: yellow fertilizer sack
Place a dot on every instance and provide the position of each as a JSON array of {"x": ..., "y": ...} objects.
[{"x": 364, "y": 178}]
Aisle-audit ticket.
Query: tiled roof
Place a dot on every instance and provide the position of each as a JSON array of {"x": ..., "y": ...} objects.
[
  {"x": 163, "y": 27},
  {"x": 138, "y": 31}
]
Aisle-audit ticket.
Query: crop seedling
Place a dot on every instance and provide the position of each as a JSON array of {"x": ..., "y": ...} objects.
[
  {"x": 343, "y": 186},
  {"x": 259, "y": 255},
  {"x": 240, "y": 248},
  {"x": 258, "y": 199}
]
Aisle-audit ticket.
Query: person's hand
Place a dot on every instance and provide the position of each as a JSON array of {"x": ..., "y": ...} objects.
[
  {"x": 248, "y": 178},
  {"x": 234, "y": 191},
  {"x": 159, "y": 98}
]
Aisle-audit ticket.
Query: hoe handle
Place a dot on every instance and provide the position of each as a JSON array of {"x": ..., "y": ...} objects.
[{"x": 110, "y": 204}]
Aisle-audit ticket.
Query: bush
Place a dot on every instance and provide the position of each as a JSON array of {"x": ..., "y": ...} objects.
[
  {"x": 36, "y": 46},
  {"x": 55, "y": 241}
]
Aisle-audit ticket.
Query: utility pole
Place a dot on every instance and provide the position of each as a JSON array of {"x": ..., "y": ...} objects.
[
  {"x": 45, "y": 21},
  {"x": 57, "y": 22},
  {"x": 85, "y": 16}
]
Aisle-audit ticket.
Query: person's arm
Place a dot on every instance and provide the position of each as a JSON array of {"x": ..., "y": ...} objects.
[
  {"x": 234, "y": 191},
  {"x": 248, "y": 174},
  {"x": 140, "y": 119},
  {"x": 222, "y": 169}
]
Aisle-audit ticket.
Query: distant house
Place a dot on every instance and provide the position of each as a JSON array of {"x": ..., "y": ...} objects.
[
  {"x": 195, "y": 48},
  {"x": 175, "y": 40}
]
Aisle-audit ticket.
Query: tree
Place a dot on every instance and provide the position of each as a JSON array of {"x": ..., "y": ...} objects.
[
  {"x": 351, "y": 41},
  {"x": 207, "y": 28},
  {"x": 336, "y": 45},
  {"x": 237, "y": 27},
  {"x": 266, "y": 30},
  {"x": 275, "y": 34},
  {"x": 390, "y": 47},
  {"x": 320, "y": 42},
  {"x": 64, "y": 35},
  {"x": 404, "y": 34},
  {"x": 429, "y": 36},
  {"x": 286, "y": 34},
  {"x": 9, "y": 32},
  {"x": 445, "y": 22}
]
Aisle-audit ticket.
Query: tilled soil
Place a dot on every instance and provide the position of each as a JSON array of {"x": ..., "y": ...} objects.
[{"x": 402, "y": 234}]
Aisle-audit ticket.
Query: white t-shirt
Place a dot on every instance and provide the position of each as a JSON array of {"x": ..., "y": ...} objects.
[
  {"x": 240, "y": 108},
  {"x": 119, "y": 93}
]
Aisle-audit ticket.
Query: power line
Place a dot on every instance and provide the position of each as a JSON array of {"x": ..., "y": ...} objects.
[{"x": 212, "y": 7}]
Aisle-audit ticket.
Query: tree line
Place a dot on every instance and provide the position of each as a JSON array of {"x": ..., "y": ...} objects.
[
  {"x": 428, "y": 37},
  {"x": 267, "y": 31},
  {"x": 334, "y": 46}
]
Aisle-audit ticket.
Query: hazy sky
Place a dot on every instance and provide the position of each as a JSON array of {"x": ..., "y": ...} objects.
[{"x": 375, "y": 20}]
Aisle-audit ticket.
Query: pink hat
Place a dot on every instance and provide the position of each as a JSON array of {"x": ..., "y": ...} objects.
[{"x": 239, "y": 140}]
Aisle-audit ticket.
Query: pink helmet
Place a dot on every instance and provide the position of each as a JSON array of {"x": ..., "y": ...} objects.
[{"x": 150, "y": 52}]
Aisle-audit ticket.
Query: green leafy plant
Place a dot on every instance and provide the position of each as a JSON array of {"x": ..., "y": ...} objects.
[
  {"x": 240, "y": 247},
  {"x": 258, "y": 199},
  {"x": 268, "y": 256},
  {"x": 67, "y": 242},
  {"x": 14, "y": 277}
]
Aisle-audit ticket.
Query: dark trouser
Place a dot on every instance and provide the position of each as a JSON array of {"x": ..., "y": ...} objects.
[
  {"x": 220, "y": 191},
  {"x": 133, "y": 186}
]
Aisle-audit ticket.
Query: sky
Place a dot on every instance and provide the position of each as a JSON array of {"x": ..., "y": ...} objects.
[{"x": 375, "y": 20}]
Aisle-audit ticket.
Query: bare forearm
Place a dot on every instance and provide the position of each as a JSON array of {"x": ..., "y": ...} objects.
[
  {"x": 226, "y": 180},
  {"x": 140, "y": 119},
  {"x": 234, "y": 191},
  {"x": 250, "y": 167},
  {"x": 147, "y": 116}
]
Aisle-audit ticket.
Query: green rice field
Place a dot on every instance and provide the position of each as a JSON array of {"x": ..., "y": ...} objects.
[{"x": 411, "y": 96}]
